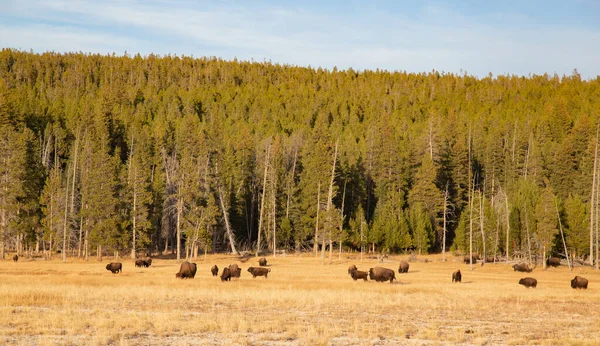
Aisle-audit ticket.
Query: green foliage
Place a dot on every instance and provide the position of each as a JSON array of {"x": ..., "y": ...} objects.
[
  {"x": 546, "y": 219},
  {"x": 577, "y": 225},
  {"x": 422, "y": 228},
  {"x": 202, "y": 124}
]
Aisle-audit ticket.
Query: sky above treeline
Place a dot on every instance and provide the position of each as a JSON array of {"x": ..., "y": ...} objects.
[{"x": 476, "y": 37}]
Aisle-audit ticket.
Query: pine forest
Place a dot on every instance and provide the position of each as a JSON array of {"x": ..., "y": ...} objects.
[{"x": 135, "y": 155}]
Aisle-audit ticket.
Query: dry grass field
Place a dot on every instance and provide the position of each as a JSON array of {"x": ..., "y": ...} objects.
[{"x": 301, "y": 303}]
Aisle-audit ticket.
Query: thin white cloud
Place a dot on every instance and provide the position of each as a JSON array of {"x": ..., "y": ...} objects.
[{"x": 437, "y": 38}]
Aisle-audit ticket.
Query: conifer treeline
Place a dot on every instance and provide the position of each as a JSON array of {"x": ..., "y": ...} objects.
[{"x": 138, "y": 154}]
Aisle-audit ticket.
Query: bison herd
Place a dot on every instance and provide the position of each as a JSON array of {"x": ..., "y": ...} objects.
[
  {"x": 381, "y": 274},
  {"x": 143, "y": 262},
  {"x": 188, "y": 270}
]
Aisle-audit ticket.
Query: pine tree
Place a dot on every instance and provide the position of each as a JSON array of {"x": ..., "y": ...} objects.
[
  {"x": 422, "y": 228},
  {"x": 12, "y": 175},
  {"x": 576, "y": 222},
  {"x": 546, "y": 221}
]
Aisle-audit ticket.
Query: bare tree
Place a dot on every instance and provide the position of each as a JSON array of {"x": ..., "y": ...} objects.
[
  {"x": 316, "y": 241},
  {"x": 262, "y": 200},
  {"x": 593, "y": 197},
  {"x": 228, "y": 229}
]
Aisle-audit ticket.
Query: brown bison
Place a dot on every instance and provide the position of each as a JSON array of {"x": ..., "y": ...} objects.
[
  {"x": 381, "y": 274},
  {"x": 579, "y": 282},
  {"x": 528, "y": 282},
  {"x": 15, "y": 258},
  {"x": 522, "y": 267},
  {"x": 456, "y": 276},
  {"x": 403, "y": 268},
  {"x": 262, "y": 262},
  {"x": 351, "y": 269},
  {"x": 226, "y": 274},
  {"x": 467, "y": 261},
  {"x": 140, "y": 263},
  {"x": 114, "y": 267},
  {"x": 147, "y": 262},
  {"x": 357, "y": 274},
  {"x": 491, "y": 259},
  {"x": 257, "y": 271},
  {"x": 214, "y": 270},
  {"x": 553, "y": 262},
  {"x": 187, "y": 270},
  {"x": 235, "y": 271}
]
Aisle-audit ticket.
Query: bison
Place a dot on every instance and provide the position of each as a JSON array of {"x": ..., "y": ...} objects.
[
  {"x": 357, "y": 274},
  {"x": 403, "y": 268},
  {"x": 262, "y": 262},
  {"x": 114, "y": 267},
  {"x": 579, "y": 282},
  {"x": 381, "y": 274},
  {"x": 235, "y": 271},
  {"x": 214, "y": 270},
  {"x": 226, "y": 274},
  {"x": 456, "y": 276},
  {"x": 140, "y": 263},
  {"x": 351, "y": 269},
  {"x": 147, "y": 262},
  {"x": 522, "y": 267},
  {"x": 553, "y": 262},
  {"x": 528, "y": 282},
  {"x": 256, "y": 271},
  {"x": 187, "y": 270},
  {"x": 467, "y": 261},
  {"x": 15, "y": 258},
  {"x": 491, "y": 259}
]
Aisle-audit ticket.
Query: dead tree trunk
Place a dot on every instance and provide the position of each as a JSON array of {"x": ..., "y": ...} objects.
[
  {"x": 64, "y": 245},
  {"x": 262, "y": 201},
  {"x": 593, "y": 198},
  {"x": 481, "y": 223},
  {"x": 330, "y": 198},
  {"x": 471, "y": 193},
  {"x": 316, "y": 241},
  {"x": 228, "y": 229},
  {"x": 562, "y": 236}
]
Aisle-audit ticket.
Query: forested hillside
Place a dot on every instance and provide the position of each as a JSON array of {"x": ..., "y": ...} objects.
[{"x": 144, "y": 153}]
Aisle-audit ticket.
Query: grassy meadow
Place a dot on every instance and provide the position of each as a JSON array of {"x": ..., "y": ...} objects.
[{"x": 301, "y": 303}]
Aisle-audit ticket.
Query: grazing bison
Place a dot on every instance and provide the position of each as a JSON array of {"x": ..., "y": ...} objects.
[
  {"x": 226, "y": 274},
  {"x": 140, "y": 263},
  {"x": 147, "y": 262},
  {"x": 381, "y": 274},
  {"x": 467, "y": 259},
  {"x": 522, "y": 267},
  {"x": 553, "y": 262},
  {"x": 403, "y": 268},
  {"x": 187, "y": 270},
  {"x": 256, "y": 271},
  {"x": 262, "y": 262},
  {"x": 214, "y": 270},
  {"x": 235, "y": 271},
  {"x": 528, "y": 282},
  {"x": 114, "y": 267},
  {"x": 456, "y": 276},
  {"x": 579, "y": 282},
  {"x": 357, "y": 274},
  {"x": 15, "y": 258},
  {"x": 351, "y": 269},
  {"x": 491, "y": 259}
]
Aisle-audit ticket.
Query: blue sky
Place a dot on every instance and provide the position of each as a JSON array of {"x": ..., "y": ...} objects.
[{"x": 473, "y": 36}]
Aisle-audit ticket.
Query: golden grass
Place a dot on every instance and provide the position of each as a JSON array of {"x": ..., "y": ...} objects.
[{"x": 301, "y": 303}]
